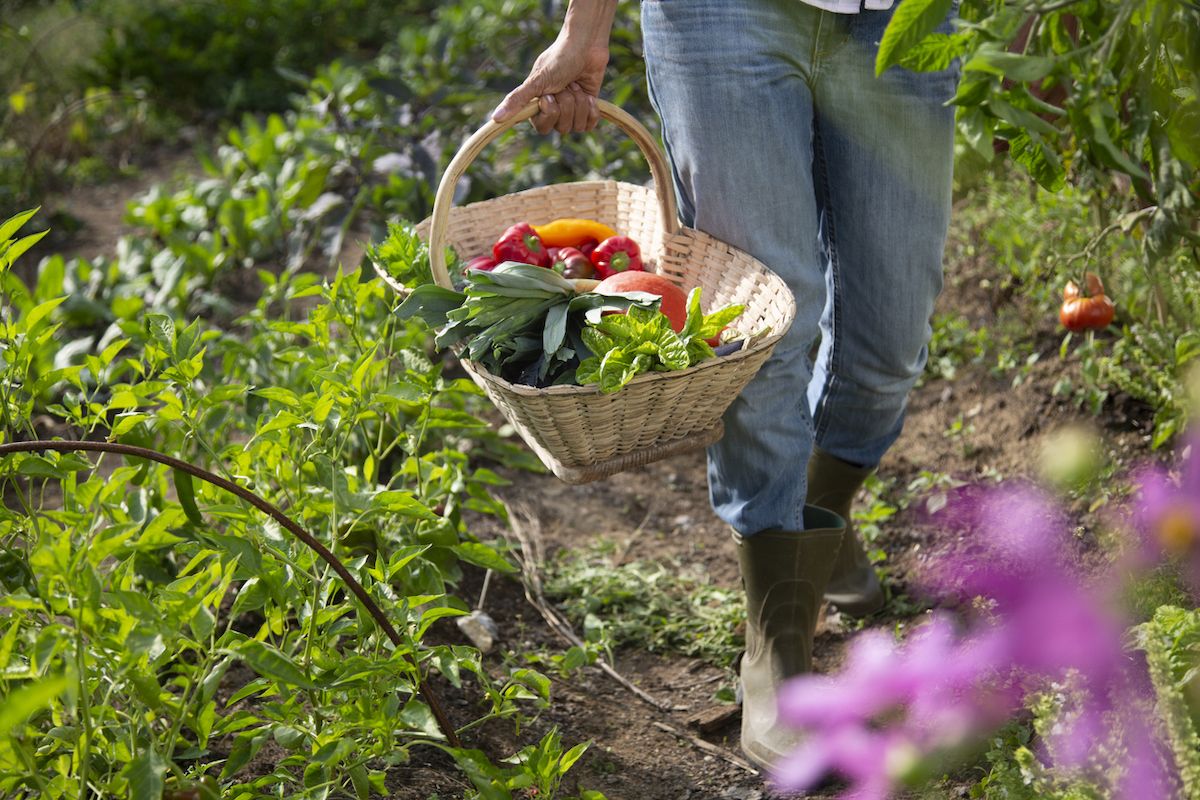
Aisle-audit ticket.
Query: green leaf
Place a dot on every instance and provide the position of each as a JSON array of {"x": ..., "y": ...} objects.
[
  {"x": 481, "y": 555},
  {"x": 598, "y": 343},
  {"x": 571, "y": 756},
  {"x": 672, "y": 352},
  {"x": 162, "y": 329},
  {"x": 483, "y": 774},
  {"x": 1019, "y": 117},
  {"x": 360, "y": 778},
  {"x": 288, "y": 738},
  {"x": 935, "y": 52},
  {"x": 39, "y": 467},
  {"x": 245, "y": 748},
  {"x": 23, "y": 702},
  {"x": 417, "y": 716},
  {"x": 270, "y": 663},
  {"x": 1187, "y": 347},
  {"x": 1016, "y": 67},
  {"x": 431, "y": 303},
  {"x": 14, "y": 223},
  {"x": 40, "y": 311},
  {"x": 279, "y": 394},
  {"x": 403, "y": 255},
  {"x": 147, "y": 776},
  {"x": 555, "y": 331},
  {"x": 1108, "y": 151},
  {"x": 1028, "y": 150},
  {"x": 1183, "y": 132},
  {"x": 979, "y": 131},
  {"x": 18, "y": 248},
  {"x": 912, "y": 21},
  {"x": 974, "y": 92}
]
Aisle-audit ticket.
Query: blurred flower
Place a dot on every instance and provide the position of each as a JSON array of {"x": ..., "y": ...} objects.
[
  {"x": 891, "y": 706},
  {"x": 1072, "y": 456},
  {"x": 1167, "y": 511},
  {"x": 895, "y": 706}
]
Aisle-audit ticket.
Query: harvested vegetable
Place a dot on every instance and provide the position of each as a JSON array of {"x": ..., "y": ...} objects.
[
  {"x": 520, "y": 322},
  {"x": 521, "y": 244},
  {"x": 642, "y": 340},
  {"x": 616, "y": 254},
  {"x": 572, "y": 232}
]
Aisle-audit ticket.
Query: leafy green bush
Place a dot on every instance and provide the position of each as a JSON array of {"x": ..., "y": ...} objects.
[
  {"x": 131, "y": 593},
  {"x": 230, "y": 55},
  {"x": 1102, "y": 99}
]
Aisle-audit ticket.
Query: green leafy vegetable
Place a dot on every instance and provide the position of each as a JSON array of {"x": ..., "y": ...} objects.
[
  {"x": 628, "y": 345},
  {"x": 520, "y": 322}
]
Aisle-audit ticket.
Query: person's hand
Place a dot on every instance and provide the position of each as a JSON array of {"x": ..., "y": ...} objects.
[{"x": 566, "y": 77}]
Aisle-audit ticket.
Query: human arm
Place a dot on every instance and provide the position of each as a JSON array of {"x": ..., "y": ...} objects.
[{"x": 566, "y": 77}]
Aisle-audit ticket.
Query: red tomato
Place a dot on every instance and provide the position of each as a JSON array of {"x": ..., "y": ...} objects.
[
  {"x": 674, "y": 300},
  {"x": 1094, "y": 311}
]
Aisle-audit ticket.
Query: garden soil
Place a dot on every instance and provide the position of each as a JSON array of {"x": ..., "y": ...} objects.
[{"x": 655, "y": 731}]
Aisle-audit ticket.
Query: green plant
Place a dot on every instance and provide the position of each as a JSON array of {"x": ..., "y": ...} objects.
[
  {"x": 1079, "y": 92},
  {"x": 960, "y": 433},
  {"x": 1171, "y": 642},
  {"x": 660, "y": 607},
  {"x": 232, "y": 55},
  {"x": 538, "y": 769},
  {"x": 1015, "y": 773},
  {"x": 131, "y": 592}
]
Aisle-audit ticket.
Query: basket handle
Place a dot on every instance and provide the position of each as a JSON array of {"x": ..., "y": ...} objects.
[{"x": 491, "y": 130}]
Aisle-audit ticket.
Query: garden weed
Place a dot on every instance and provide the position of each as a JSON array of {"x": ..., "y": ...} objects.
[{"x": 660, "y": 607}]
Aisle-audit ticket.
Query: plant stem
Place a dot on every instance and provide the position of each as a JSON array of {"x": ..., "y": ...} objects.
[{"x": 85, "y": 711}]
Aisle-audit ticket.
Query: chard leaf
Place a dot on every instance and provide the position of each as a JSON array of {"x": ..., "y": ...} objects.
[
  {"x": 556, "y": 329},
  {"x": 698, "y": 350},
  {"x": 711, "y": 324},
  {"x": 588, "y": 371}
]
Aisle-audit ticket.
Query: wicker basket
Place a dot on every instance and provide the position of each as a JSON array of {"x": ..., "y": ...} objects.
[{"x": 578, "y": 432}]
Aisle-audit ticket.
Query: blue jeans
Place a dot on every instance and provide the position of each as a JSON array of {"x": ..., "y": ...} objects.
[{"x": 784, "y": 144}]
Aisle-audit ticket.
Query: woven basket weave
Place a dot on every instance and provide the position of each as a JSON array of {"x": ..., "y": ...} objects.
[{"x": 578, "y": 432}]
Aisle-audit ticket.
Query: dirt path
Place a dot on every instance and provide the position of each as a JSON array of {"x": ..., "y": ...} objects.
[{"x": 660, "y": 513}]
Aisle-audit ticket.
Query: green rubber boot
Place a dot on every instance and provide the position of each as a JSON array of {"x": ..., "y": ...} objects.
[
  {"x": 784, "y": 574},
  {"x": 854, "y": 587}
]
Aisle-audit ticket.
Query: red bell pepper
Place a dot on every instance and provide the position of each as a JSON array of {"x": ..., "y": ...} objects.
[
  {"x": 617, "y": 254},
  {"x": 520, "y": 243},
  {"x": 485, "y": 263}
]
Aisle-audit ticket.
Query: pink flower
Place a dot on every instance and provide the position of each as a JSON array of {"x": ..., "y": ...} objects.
[
  {"x": 1167, "y": 509},
  {"x": 893, "y": 706},
  {"x": 890, "y": 706}
]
